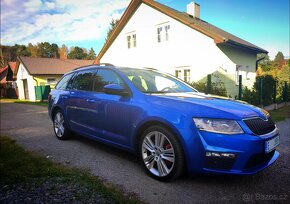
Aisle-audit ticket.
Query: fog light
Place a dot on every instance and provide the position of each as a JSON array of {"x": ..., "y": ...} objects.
[{"x": 220, "y": 154}]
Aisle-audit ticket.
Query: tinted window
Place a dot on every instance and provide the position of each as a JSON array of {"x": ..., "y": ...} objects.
[
  {"x": 63, "y": 82},
  {"x": 83, "y": 81},
  {"x": 105, "y": 77}
]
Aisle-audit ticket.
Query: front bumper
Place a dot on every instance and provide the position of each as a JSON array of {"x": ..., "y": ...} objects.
[{"x": 230, "y": 154}]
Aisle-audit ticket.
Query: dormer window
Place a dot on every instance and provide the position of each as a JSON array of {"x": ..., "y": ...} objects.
[
  {"x": 131, "y": 40},
  {"x": 163, "y": 32}
]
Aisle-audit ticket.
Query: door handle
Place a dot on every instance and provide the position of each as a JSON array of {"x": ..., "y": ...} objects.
[
  {"x": 64, "y": 97},
  {"x": 91, "y": 100}
]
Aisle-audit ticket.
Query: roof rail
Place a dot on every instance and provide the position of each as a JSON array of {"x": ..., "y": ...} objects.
[
  {"x": 100, "y": 64},
  {"x": 105, "y": 64}
]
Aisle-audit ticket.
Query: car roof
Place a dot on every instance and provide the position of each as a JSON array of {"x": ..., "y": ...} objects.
[{"x": 108, "y": 66}]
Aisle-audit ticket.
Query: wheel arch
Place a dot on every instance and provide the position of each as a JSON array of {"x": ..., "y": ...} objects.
[
  {"x": 153, "y": 122},
  {"x": 53, "y": 111}
]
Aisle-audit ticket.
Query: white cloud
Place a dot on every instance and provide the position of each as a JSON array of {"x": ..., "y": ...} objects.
[
  {"x": 33, "y": 5},
  {"x": 59, "y": 20}
]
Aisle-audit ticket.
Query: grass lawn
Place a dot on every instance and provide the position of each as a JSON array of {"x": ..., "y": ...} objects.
[
  {"x": 280, "y": 114},
  {"x": 37, "y": 103},
  {"x": 19, "y": 167}
]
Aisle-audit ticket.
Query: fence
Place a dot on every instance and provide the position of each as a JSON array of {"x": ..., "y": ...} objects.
[{"x": 266, "y": 89}]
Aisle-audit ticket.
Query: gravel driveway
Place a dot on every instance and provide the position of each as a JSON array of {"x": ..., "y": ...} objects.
[{"x": 32, "y": 129}]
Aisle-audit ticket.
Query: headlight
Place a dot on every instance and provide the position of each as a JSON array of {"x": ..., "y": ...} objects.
[{"x": 218, "y": 125}]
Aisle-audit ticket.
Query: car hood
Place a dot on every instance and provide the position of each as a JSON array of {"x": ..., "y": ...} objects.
[{"x": 203, "y": 105}]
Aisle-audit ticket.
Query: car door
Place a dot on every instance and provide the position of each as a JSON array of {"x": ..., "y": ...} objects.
[
  {"x": 113, "y": 118},
  {"x": 80, "y": 106}
]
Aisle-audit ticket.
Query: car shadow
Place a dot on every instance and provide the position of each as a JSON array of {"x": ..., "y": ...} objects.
[{"x": 209, "y": 179}]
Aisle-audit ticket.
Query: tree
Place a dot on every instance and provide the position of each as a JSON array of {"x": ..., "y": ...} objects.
[
  {"x": 263, "y": 58},
  {"x": 44, "y": 50},
  {"x": 113, "y": 24},
  {"x": 32, "y": 49},
  {"x": 10, "y": 53},
  {"x": 77, "y": 53},
  {"x": 63, "y": 51},
  {"x": 54, "y": 50},
  {"x": 91, "y": 55},
  {"x": 21, "y": 50},
  {"x": 279, "y": 60}
]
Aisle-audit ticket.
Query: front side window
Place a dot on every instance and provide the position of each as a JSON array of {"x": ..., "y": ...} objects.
[
  {"x": 83, "y": 81},
  {"x": 149, "y": 81},
  {"x": 62, "y": 84},
  {"x": 105, "y": 77}
]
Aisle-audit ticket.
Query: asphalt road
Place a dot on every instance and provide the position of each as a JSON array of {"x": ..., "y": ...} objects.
[{"x": 32, "y": 129}]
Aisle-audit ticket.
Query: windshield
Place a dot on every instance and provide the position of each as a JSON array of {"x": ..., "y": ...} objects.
[{"x": 151, "y": 81}]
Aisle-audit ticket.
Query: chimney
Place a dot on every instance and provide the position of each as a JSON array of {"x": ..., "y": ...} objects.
[{"x": 193, "y": 9}]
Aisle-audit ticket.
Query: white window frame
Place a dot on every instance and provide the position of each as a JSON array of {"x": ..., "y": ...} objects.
[
  {"x": 131, "y": 40},
  {"x": 180, "y": 73},
  {"x": 163, "y": 32},
  {"x": 238, "y": 67},
  {"x": 52, "y": 81}
]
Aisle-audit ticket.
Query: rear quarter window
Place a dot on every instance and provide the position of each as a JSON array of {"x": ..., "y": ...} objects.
[
  {"x": 83, "y": 81},
  {"x": 62, "y": 84}
]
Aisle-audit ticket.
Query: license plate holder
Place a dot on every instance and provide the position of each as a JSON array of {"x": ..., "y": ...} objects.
[{"x": 272, "y": 144}]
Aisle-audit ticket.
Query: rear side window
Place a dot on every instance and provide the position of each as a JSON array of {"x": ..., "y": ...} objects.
[
  {"x": 83, "y": 81},
  {"x": 62, "y": 84},
  {"x": 105, "y": 77}
]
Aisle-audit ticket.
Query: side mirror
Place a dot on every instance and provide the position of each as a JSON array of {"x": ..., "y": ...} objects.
[{"x": 115, "y": 89}]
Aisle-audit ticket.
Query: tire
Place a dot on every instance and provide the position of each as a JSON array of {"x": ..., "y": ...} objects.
[
  {"x": 161, "y": 154},
  {"x": 59, "y": 126}
]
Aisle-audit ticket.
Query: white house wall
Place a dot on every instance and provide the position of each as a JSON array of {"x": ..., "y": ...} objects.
[
  {"x": 21, "y": 75},
  {"x": 186, "y": 47}
]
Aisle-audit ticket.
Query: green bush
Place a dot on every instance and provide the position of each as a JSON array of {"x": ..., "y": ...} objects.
[
  {"x": 267, "y": 92},
  {"x": 217, "y": 88},
  {"x": 250, "y": 96}
]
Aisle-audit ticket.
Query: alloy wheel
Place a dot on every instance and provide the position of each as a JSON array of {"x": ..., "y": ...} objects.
[
  {"x": 158, "y": 154},
  {"x": 59, "y": 124}
]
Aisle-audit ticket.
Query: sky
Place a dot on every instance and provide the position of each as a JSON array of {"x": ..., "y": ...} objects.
[{"x": 84, "y": 23}]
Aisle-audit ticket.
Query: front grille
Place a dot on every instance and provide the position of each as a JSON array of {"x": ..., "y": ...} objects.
[
  {"x": 259, "y": 159},
  {"x": 259, "y": 126}
]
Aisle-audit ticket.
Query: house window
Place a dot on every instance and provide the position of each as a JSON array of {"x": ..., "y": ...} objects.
[
  {"x": 166, "y": 32},
  {"x": 50, "y": 80},
  {"x": 134, "y": 40},
  {"x": 238, "y": 68},
  {"x": 178, "y": 74},
  {"x": 163, "y": 32},
  {"x": 247, "y": 73},
  {"x": 159, "y": 31},
  {"x": 187, "y": 75},
  {"x": 183, "y": 73},
  {"x": 131, "y": 40}
]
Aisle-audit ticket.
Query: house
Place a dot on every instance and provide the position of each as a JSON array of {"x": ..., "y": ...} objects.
[
  {"x": 7, "y": 85},
  {"x": 150, "y": 34},
  {"x": 35, "y": 72}
]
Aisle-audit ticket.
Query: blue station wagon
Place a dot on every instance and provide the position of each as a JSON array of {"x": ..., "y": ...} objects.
[{"x": 169, "y": 124}]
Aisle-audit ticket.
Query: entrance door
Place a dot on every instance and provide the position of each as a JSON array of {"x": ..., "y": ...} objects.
[{"x": 25, "y": 87}]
